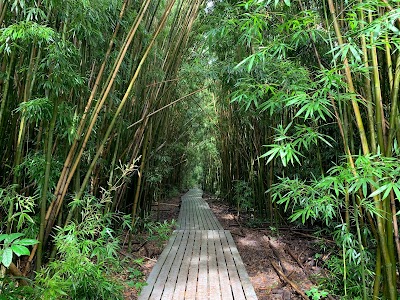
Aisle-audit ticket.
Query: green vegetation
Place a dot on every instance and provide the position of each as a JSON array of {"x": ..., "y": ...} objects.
[
  {"x": 89, "y": 101},
  {"x": 285, "y": 108},
  {"x": 307, "y": 103}
]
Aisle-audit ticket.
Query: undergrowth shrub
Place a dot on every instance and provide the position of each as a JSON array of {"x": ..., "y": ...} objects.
[
  {"x": 87, "y": 253},
  {"x": 243, "y": 196},
  {"x": 159, "y": 231},
  {"x": 339, "y": 200}
]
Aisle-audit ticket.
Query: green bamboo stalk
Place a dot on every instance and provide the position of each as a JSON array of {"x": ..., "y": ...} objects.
[
  {"x": 139, "y": 183},
  {"x": 43, "y": 199},
  {"x": 3, "y": 10},
  {"x": 362, "y": 258},
  {"x": 113, "y": 164},
  {"x": 368, "y": 89},
  {"x": 6, "y": 88},
  {"x": 386, "y": 250},
  {"x": 122, "y": 104},
  {"x": 389, "y": 61},
  {"x": 81, "y": 127},
  {"x": 378, "y": 274},
  {"x": 21, "y": 133},
  {"x": 72, "y": 159},
  {"x": 380, "y": 117},
  {"x": 394, "y": 109}
]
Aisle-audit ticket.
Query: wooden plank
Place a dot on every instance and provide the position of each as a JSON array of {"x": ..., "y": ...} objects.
[
  {"x": 244, "y": 277},
  {"x": 214, "y": 287},
  {"x": 196, "y": 213},
  {"x": 173, "y": 274},
  {"x": 180, "y": 287},
  {"x": 145, "y": 294},
  {"x": 191, "y": 285},
  {"x": 211, "y": 225},
  {"x": 205, "y": 221},
  {"x": 183, "y": 213},
  {"x": 203, "y": 213},
  {"x": 191, "y": 216},
  {"x": 187, "y": 215},
  {"x": 236, "y": 284},
  {"x": 216, "y": 222},
  {"x": 181, "y": 217},
  {"x": 163, "y": 274},
  {"x": 196, "y": 221},
  {"x": 202, "y": 282},
  {"x": 209, "y": 222},
  {"x": 225, "y": 284}
]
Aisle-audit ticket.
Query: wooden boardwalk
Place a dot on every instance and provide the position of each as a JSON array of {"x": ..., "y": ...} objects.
[{"x": 201, "y": 260}]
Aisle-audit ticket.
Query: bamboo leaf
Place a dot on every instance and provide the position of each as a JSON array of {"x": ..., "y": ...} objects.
[
  {"x": 378, "y": 191},
  {"x": 396, "y": 190},
  {"x": 387, "y": 192}
]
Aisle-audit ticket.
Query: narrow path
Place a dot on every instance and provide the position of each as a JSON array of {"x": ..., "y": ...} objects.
[{"x": 201, "y": 260}]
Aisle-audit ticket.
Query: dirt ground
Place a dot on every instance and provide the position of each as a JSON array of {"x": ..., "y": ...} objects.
[
  {"x": 264, "y": 251},
  {"x": 267, "y": 251}
]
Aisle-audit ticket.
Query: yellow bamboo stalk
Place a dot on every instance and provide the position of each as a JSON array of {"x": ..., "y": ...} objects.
[
  {"x": 72, "y": 161},
  {"x": 386, "y": 252}
]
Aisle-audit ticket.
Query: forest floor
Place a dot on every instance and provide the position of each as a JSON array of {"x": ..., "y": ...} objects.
[{"x": 296, "y": 254}]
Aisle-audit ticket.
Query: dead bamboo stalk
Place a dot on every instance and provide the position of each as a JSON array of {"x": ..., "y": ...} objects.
[{"x": 290, "y": 282}]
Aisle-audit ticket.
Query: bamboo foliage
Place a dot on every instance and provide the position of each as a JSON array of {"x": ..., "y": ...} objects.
[
  {"x": 346, "y": 62},
  {"x": 82, "y": 84}
]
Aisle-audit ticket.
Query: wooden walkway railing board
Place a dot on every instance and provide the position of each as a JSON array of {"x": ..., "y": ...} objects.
[{"x": 201, "y": 260}]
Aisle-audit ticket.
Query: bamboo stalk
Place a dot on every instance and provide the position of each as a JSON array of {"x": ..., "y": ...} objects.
[
  {"x": 394, "y": 109},
  {"x": 290, "y": 282},
  {"x": 368, "y": 90},
  {"x": 385, "y": 248},
  {"x": 72, "y": 162},
  {"x": 380, "y": 116},
  {"x": 43, "y": 200},
  {"x": 120, "y": 107}
]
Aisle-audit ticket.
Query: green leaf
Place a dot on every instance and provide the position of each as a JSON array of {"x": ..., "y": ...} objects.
[
  {"x": 378, "y": 191},
  {"x": 389, "y": 188},
  {"x": 3, "y": 236},
  {"x": 355, "y": 52},
  {"x": 287, "y": 2},
  {"x": 251, "y": 62},
  {"x": 7, "y": 257},
  {"x": 20, "y": 250},
  {"x": 396, "y": 191},
  {"x": 26, "y": 242},
  {"x": 11, "y": 237}
]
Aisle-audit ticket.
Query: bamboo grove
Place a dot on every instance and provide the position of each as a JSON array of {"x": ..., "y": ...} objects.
[
  {"x": 286, "y": 108},
  {"x": 90, "y": 99},
  {"x": 307, "y": 103}
]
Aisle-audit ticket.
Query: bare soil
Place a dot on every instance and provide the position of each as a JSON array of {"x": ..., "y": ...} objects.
[{"x": 294, "y": 253}]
